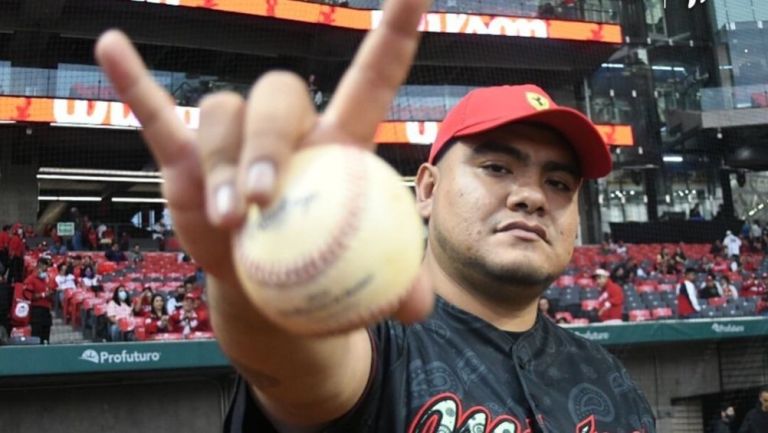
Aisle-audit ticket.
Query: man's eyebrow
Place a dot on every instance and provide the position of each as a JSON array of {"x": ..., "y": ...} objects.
[
  {"x": 571, "y": 169},
  {"x": 492, "y": 146}
]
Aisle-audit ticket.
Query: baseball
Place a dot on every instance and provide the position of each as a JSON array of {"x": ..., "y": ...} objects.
[{"x": 340, "y": 245}]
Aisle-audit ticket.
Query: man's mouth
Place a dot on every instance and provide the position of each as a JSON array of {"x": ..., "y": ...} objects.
[{"x": 523, "y": 228}]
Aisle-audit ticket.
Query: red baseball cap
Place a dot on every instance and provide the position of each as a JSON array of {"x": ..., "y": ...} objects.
[{"x": 487, "y": 108}]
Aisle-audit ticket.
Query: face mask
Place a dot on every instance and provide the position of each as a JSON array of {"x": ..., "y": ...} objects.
[{"x": 122, "y": 296}]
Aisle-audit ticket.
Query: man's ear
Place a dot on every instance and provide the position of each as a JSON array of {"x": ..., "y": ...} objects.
[{"x": 425, "y": 184}]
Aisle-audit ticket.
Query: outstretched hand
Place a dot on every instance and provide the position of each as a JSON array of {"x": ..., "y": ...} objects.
[{"x": 243, "y": 145}]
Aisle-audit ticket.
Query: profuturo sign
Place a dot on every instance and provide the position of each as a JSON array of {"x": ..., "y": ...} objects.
[
  {"x": 123, "y": 357},
  {"x": 594, "y": 336}
]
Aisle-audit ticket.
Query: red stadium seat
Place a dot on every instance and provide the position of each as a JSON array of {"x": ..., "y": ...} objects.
[
  {"x": 580, "y": 321},
  {"x": 639, "y": 315},
  {"x": 200, "y": 335},
  {"x": 564, "y": 315},
  {"x": 565, "y": 281},
  {"x": 666, "y": 287},
  {"x": 646, "y": 288},
  {"x": 718, "y": 302},
  {"x": 167, "y": 336},
  {"x": 585, "y": 282},
  {"x": 661, "y": 313},
  {"x": 589, "y": 304}
]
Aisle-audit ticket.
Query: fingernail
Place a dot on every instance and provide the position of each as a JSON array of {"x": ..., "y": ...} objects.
[
  {"x": 261, "y": 177},
  {"x": 224, "y": 199}
]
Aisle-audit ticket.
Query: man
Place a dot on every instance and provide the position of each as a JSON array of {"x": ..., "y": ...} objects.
[
  {"x": 732, "y": 244},
  {"x": 190, "y": 317},
  {"x": 610, "y": 304},
  {"x": 710, "y": 288},
  {"x": 41, "y": 296},
  {"x": 115, "y": 255},
  {"x": 5, "y": 238},
  {"x": 500, "y": 193},
  {"x": 724, "y": 423},
  {"x": 756, "y": 420},
  {"x": 16, "y": 250},
  {"x": 687, "y": 296}
]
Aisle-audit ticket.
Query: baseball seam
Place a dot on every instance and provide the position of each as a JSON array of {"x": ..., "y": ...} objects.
[{"x": 310, "y": 266}]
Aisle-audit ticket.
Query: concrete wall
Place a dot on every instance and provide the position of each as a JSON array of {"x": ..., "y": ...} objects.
[{"x": 160, "y": 402}]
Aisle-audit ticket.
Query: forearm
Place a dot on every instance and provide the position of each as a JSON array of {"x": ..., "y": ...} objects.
[{"x": 298, "y": 380}]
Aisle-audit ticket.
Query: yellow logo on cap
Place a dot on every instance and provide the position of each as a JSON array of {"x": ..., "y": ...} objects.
[{"x": 537, "y": 101}]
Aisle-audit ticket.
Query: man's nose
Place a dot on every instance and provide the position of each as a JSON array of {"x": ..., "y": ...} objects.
[{"x": 527, "y": 196}]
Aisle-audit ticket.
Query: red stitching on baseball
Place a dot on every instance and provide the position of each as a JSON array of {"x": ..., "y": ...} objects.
[{"x": 308, "y": 267}]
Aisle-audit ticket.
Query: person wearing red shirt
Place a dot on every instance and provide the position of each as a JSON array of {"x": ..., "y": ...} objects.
[
  {"x": 754, "y": 287},
  {"x": 157, "y": 321},
  {"x": 142, "y": 305},
  {"x": 41, "y": 296},
  {"x": 16, "y": 250},
  {"x": 5, "y": 237},
  {"x": 190, "y": 318},
  {"x": 610, "y": 304},
  {"x": 687, "y": 297}
]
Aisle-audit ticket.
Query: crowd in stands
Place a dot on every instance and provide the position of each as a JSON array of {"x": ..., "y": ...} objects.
[
  {"x": 112, "y": 295},
  {"x": 618, "y": 282},
  {"x": 120, "y": 294}
]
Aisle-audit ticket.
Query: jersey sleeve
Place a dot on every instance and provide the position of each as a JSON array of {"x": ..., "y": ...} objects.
[{"x": 388, "y": 344}]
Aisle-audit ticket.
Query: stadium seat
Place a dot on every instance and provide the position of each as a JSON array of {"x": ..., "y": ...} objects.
[
  {"x": 580, "y": 321},
  {"x": 564, "y": 315},
  {"x": 589, "y": 304},
  {"x": 639, "y": 315},
  {"x": 718, "y": 302},
  {"x": 661, "y": 313}
]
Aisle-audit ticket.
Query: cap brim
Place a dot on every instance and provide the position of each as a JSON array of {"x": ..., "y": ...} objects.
[{"x": 594, "y": 156}]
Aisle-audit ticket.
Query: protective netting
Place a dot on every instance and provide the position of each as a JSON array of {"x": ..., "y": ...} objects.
[{"x": 677, "y": 90}]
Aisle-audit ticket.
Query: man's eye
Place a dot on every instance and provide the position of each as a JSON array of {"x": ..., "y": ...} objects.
[
  {"x": 559, "y": 185},
  {"x": 496, "y": 168}
]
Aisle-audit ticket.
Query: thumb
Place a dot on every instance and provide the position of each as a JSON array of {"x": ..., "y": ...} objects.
[{"x": 419, "y": 302}]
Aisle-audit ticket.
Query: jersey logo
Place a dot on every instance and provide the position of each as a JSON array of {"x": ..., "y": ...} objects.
[{"x": 444, "y": 414}]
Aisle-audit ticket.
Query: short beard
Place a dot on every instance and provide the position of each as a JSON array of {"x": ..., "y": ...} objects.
[{"x": 499, "y": 283}]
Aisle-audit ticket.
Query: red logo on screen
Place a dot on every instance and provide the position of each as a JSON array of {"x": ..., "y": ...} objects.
[{"x": 22, "y": 111}]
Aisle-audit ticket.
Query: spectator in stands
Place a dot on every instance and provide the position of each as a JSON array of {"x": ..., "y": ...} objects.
[
  {"x": 41, "y": 300},
  {"x": 756, "y": 420},
  {"x": 695, "y": 213},
  {"x": 664, "y": 262},
  {"x": 622, "y": 272},
  {"x": 16, "y": 250},
  {"x": 118, "y": 308},
  {"x": 687, "y": 299},
  {"x": 706, "y": 264},
  {"x": 125, "y": 242},
  {"x": 732, "y": 244},
  {"x": 142, "y": 304},
  {"x": 158, "y": 234},
  {"x": 5, "y": 238},
  {"x": 157, "y": 321},
  {"x": 6, "y": 300},
  {"x": 546, "y": 309},
  {"x": 679, "y": 258},
  {"x": 64, "y": 280},
  {"x": 93, "y": 239},
  {"x": 621, "y": 249},
  {"x": 717, "y": 248},
  {"x": 90, "y": 279},
  {"x": 755, "y": 232},
  {"x": 57, "y": 248},
  {"x": 175, "y": 300},
  {"x": 610, "y": 304},
  {"x": 754, "y": 286},
  {"x": 746, "y": 229},
  {"x": 136, "y": 256},
  {"x": 115, "y": 255},
  {"x": 728, "y": 289},
  {"x": 735, "y": 264},
  {"x": 724, "y": 423},
  {"x": 710, "y": 288},
  {"x": 190, "y": 318}
]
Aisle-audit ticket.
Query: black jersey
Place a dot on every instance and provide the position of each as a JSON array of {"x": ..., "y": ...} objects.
[{"x": 456, "y": 373}]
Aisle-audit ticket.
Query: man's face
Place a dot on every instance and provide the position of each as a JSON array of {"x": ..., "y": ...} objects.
[
  {"x": 764, "y": 401},
  {"x": 601, "y": 280},
  {"x": 729, "y": 413},
  {"x": 504, "y": 207}
]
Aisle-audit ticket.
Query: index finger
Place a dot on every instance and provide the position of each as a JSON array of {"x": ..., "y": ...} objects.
[
  {"x": 167, "y": 136},
  {"x": 381, "y": 65}
]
